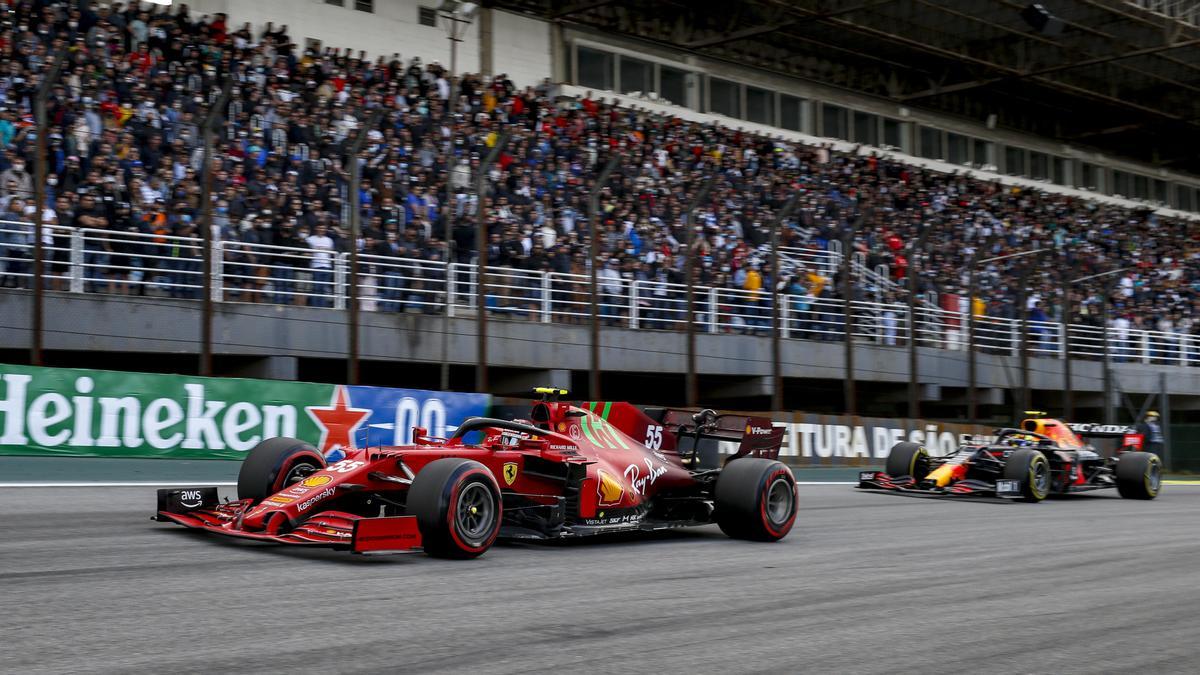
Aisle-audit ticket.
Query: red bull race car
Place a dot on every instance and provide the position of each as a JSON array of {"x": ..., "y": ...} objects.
[
  {"x": 1044, "y": 456},
  {"x": 567, "y": 471}
]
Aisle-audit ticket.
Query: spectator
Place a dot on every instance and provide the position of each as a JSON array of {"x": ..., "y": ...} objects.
[{"x": 323, "y": 253}]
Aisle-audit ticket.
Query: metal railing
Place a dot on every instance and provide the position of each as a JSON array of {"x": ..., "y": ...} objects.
[{"x": 95, "y": 261}]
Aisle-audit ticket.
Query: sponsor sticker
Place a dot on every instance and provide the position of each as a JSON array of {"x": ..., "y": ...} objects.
[
  {"x": 608, "y": 490},
  {"x": 639, "y": 481},
  {"x": 866, "y": 475},
  {"x": 510, "y": 472},
  {"x": 190, "y": 499},
  {"x": 279, "y": 499},
  {"x": 1008, "y": 487},
  {"x": 304, "y": 505},
  {"x": 316, "y": 481}
]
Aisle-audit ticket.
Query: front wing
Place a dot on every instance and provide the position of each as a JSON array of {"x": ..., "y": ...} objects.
[
  {"x": 878, "y": 480},
  {"x": 198, "y": 508}
]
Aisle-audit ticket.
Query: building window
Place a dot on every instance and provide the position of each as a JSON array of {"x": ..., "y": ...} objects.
[
  {"x": 1060, "y": 171},
  {"x": 595, "y": 69},
  {"x": 1090, "y": 176},
  {"x": 982, "y": 153},
  {"x": 336, "y": 3},
  {"x": 891, "y": 133},
  {"x": 958, "y": 148},
  {"x": 1141, "y": 187},
  {"x": 1122, "y": 184},
  {"x": 427, "y": 16},
  {"x": 636, "y": 76},
  {"x": 931, "y": 143},
  {"x": 1159, "y": 191},
  {"x": 672, "y": 85},
  {"x": 1183, "y": 197},
  {"x": 790, "y": 115},
  {"x": 1039, "y": 165},
  {"x": 364, "y": 5},
  {"x": 833, "y": 122},
  {"x": 1014, "y": 161},
  {"x": 866, "y": 128},
  {"x": 760, "y": 106},
  {"x": 724, "y": 97}
]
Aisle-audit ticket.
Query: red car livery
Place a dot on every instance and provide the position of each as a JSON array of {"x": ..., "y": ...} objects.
[{"x": 568, "y": 471}]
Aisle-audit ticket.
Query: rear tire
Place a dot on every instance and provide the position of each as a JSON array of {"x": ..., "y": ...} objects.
[
  {"x": 274, "y": 464},
  {"x": 458, "y": 508},
  {"x": 756, "y": 499},
  {"x": 907, "y": 459},
  {"x": 1139, "y": 475},
  {"x": 1032, "y": 469}
]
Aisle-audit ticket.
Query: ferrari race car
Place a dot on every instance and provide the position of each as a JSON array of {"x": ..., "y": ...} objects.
[
  {"x": 568, "y": 471},
  {"x": 1044, "y": 456}
]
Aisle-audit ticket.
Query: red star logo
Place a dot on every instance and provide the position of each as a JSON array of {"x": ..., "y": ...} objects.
[{"x": 338, "y": 421}]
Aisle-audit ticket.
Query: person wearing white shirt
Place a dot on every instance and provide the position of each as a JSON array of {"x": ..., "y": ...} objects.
[{"x": 322, "y": 265}]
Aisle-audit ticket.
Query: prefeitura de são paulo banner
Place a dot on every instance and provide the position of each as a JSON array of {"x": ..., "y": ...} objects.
[
  {"x": 839, "y": 439},
  {"x": 101, "y": 413}
]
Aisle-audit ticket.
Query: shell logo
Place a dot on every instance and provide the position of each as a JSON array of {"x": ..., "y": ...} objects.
[
  {"x": 316, "y": 481},
  {"x": 609, "y": 490}
]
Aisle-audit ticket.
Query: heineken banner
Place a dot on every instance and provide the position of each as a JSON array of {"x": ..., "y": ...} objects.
[
  {"x": 101, "y": 413},
  {"x": 833, "y": 439}
]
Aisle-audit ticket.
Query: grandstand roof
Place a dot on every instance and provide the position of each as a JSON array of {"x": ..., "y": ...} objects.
[{"x": 1117, "y": 77}]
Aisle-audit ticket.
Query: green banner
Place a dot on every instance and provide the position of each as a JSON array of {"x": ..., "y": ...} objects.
[
  {"x": 102, "y": 413},
  {"x": 99, "y": 413}
]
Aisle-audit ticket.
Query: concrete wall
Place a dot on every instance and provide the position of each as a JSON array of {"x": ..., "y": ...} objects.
[
  {"x": 164, "y": 326},
  {"x": 521, "y": 48},
  {"x": 521, "y": 45}
]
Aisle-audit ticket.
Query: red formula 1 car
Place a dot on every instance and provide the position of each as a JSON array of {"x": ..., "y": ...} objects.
[{"x": 568, "y": 471}]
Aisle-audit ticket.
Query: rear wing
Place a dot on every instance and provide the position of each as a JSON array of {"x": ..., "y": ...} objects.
[
  {"x": 1109, "y": 439},
  {"x": 693, "y": 431}
]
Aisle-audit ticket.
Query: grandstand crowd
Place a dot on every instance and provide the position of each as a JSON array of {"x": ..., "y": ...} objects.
[{"x": 124, "y": 149}]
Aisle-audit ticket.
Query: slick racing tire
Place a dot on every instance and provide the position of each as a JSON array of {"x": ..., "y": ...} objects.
[
  {"x": 1032, "y": 470},
  {"x": 458, "y": 507},
  {"x": 1139, "y": 475},
  {"x": 274, "y": 464},
  {"x": 755, "y": 499},
  {"x": 907, "y": 459}
]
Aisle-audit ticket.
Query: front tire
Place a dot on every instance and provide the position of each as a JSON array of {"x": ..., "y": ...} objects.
[
  {"x": 908, "y": 459},
  {"x": 274, "y": 464},
  {"x": 458, "y": 508},
  {"x": 1139, "y": 475},
  {"x": 1032, "y": 469},
  {"x": 755, "y": 499}
]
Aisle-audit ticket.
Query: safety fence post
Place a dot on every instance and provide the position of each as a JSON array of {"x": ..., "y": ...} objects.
[
  {"x": 77, "y": 261},
  {"x": 339, "y": 282},
  {"x": 217, "y": 271}
]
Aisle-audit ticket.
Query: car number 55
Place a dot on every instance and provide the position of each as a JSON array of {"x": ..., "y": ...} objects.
[{"x": 654, "y": 437}]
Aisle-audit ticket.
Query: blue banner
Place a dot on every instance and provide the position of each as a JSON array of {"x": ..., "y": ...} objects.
[{"x": 394, "y": 412}]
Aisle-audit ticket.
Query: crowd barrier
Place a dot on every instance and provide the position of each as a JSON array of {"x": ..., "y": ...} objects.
[{"x": 88, "y": 261}]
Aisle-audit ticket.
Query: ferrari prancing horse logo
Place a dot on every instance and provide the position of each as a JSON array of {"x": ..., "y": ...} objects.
[{"x": 510, "y": 472}]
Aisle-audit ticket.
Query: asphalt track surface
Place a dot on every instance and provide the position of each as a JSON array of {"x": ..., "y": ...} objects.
[{"x": 865, "y": 583}]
